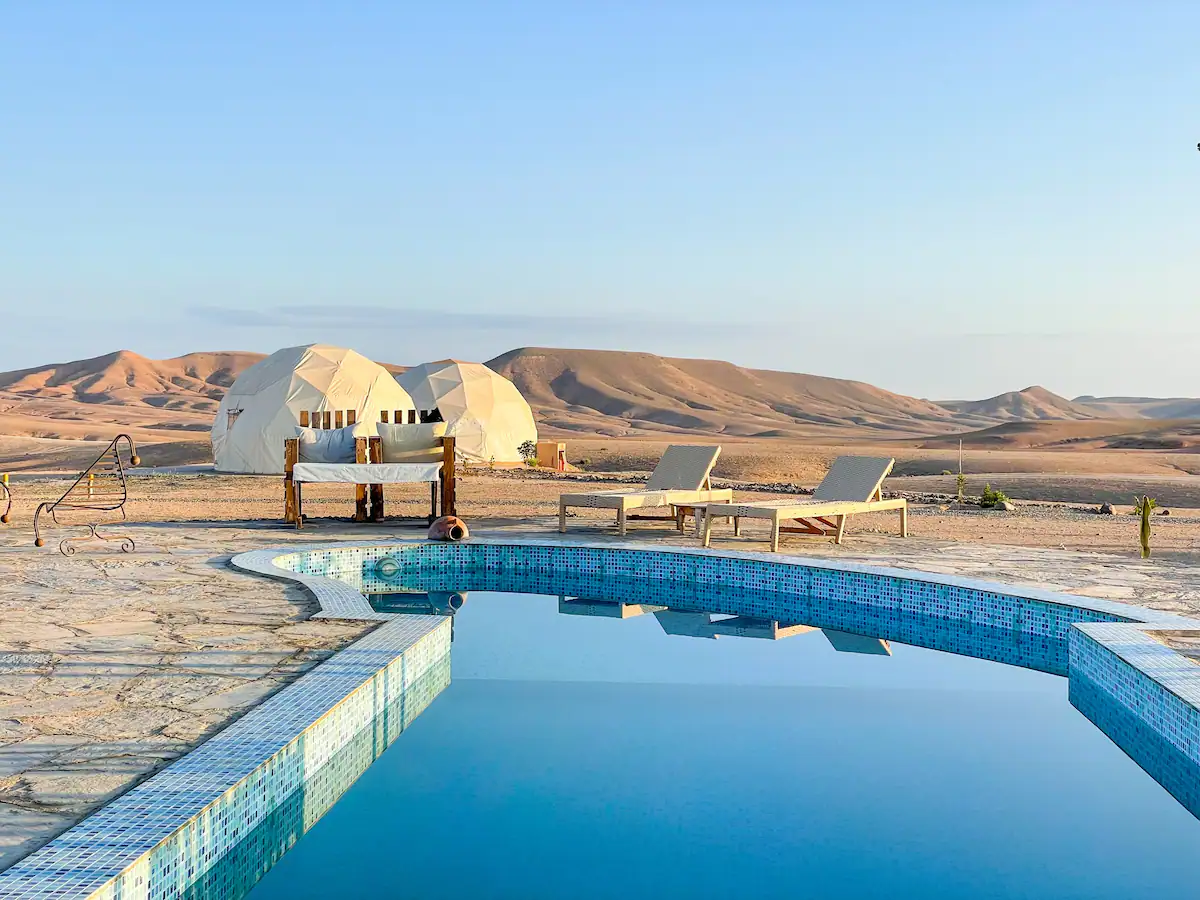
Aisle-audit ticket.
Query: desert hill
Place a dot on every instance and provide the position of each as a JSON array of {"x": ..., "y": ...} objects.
[
  {"x": 1141, "y": 407},
  {"x": 1030, "y": 404},
  {"x": 616, "y": 393},
  {"x": 197, "y": 380},
  {"x": 1079, "y": 434},
  {"x": 91, "y": 399},
  {"x": 50, "y": 415}
]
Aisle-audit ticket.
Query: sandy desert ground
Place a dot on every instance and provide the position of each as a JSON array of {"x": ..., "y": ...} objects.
[{"x": 519, "y": 496}]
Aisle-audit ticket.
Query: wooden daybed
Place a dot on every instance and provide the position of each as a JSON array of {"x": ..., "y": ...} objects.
[{"x": 368, "y": 473}]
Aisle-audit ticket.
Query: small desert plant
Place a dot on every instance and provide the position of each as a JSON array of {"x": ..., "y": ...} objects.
[
  {"x": 1143, "y": 507},
  {"x": 947, "y": 472},
  {"x": 961, "y": 481},
  {"x": 528, "y": 451},
  {"x": 991, "y": 498}
]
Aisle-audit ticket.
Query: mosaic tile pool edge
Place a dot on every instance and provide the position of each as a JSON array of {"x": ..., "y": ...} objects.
[
  {"x": 164, "y": 834},
  {"x": 1141, "y": 693}
]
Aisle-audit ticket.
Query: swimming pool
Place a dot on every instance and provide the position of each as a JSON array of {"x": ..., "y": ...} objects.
[
  {"x": 861, "y": 696},
  {"x": 612, "y": 743}
]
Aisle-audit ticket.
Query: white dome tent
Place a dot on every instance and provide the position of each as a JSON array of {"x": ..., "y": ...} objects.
[
  {"x": 263, "y": 405},
  {"x": 485, "y": 412}
]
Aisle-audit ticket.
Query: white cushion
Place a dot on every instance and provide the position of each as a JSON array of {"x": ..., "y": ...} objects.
[
  {"x": 330, "y": 445},
  {"x": 419, "y": 442}
]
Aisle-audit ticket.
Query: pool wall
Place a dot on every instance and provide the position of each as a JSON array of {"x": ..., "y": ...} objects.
[
  {"x": 1141, "y": 693},
  {"x": 163, "y": 836},
  {"x": 1145, "y": 697},
  {"x": 220, "y": 816}
]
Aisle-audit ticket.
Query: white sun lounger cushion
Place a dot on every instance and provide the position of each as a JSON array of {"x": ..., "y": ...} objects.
[
  {"x": 366, "y": 473},
  {"x": 641, "y": 499},
  {"x": 853, "y": 478},
  {"x": 683, "y": 467}
]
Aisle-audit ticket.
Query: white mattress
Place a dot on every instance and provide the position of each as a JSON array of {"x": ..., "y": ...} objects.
[{"x": 366, "y": 473}]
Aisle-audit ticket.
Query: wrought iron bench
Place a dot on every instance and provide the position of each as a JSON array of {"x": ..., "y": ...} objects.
[{"x": 101, "y": 487}]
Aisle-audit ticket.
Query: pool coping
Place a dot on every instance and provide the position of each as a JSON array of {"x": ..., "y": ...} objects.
[
  {"x": 1129, "y": 641},
  {"x": 165, "y": 833},
  {"x": 1149, "y": 678},
  {"x": 119, "y": 851}
]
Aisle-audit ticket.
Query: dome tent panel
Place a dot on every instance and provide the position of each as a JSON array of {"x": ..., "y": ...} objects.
[
  {"x": 263, "y": 405},
  {"x": 484, "y": 411}
]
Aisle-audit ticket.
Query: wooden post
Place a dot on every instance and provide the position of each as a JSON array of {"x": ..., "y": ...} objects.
[
  {"x": 337, "y": 419},
  {"x": 328, "y": 416},
  {"x": 383, "y": 416},
  {"x": 449, "y": 502},
  {"x": 304, "y": 418},
  {"x": 375, "y": 455},
  {"x": 412, "y": 416},
  {"x": 291, "y": 456},
  {"x": 361, "y": 455}
]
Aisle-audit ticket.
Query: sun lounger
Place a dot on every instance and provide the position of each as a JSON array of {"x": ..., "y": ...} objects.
[
  {"x": 853, "y": 485},
  {"x": 681, "y": 477}
]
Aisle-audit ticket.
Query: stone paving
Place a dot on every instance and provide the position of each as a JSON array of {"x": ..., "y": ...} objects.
[{"x": 112, "y": 665}]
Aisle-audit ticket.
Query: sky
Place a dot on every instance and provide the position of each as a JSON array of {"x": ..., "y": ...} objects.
[{"x": 948, "y": 200}]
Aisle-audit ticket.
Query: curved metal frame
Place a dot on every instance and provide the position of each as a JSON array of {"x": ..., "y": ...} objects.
[
  {"x": 6, "y": 500},
  {"x": 75, "y": 498}
]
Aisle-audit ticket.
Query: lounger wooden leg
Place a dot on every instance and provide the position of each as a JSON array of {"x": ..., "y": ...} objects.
[
  {"x": 737, "y": 526},
  {"x": 904, "y": 521},
  {"x": 562, "y": 518},
  {"x": 841, "y": 529},
  {"x": 679, "y": 518},
  {"x": 621, "y": 521},
  {"x": 707, "y": 529},
  {"x": 775, "y": 534},
  {"x": 701, "y": 518}
]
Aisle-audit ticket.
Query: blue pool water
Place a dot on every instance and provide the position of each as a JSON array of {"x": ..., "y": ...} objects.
[{"x": 593, "y": 749}]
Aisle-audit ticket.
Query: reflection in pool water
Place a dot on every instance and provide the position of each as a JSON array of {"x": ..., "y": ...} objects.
[{"x": 604, "y": 743}]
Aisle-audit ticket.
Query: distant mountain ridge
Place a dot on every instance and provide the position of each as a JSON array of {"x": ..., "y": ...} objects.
[
  {"x": 572, "y": 392},
  {"x": 198, "y": 379},
  {"x": 613, "y": 392},
  {"x": 1031, "y": 404},
  {"x": 1142, "y": 407}
]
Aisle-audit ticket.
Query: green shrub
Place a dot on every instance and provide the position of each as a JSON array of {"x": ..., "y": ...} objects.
[
  {"x": 990, "y": 498},
  {"x": 528, "y": 451},
  {"x": 961, "y": 481},
  {"x": 947, "y": 472}
]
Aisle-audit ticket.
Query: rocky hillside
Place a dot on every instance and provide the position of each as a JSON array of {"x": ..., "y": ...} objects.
[
  {"x": 614, "y": 393},
  {"x": 1031, "y": 404}
]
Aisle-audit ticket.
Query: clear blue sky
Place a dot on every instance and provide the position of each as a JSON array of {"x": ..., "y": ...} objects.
[{"x": 945, "y": 199}]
